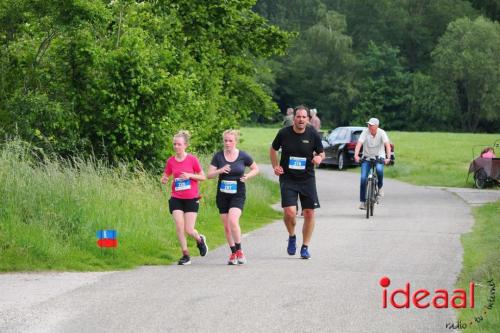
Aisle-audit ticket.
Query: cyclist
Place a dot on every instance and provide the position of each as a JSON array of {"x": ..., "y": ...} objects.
[{"x": 375, "y": 144}]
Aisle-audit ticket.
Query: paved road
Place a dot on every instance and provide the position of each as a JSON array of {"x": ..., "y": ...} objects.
[{"x": 414, "y": 237}]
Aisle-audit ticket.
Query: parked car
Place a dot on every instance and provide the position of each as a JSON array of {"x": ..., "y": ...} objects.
[{"x": 339, "y": 146}]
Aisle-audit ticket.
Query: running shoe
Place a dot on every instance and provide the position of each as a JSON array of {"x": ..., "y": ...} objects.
[
  {"x": 362, "y": 206},
  {"x": 185, "y": 260},
  {"x": 202, "y": 246},
  {"x": 380, "y": 193},
  {"x": 292, "y": 245},
  {"x": 240, "y": 257},
  {"x": 233, "y": 260},
  {"x": 304, "y": 253}
]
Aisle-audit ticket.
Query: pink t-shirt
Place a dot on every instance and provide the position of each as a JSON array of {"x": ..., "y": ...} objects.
[{"x": 183, "y": 189}]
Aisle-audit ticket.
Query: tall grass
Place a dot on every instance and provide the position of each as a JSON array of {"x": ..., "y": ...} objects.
[{"x": 50, "y": 212}]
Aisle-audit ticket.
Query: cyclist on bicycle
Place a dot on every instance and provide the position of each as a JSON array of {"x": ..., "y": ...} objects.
[{"x": 373, "y": 140}]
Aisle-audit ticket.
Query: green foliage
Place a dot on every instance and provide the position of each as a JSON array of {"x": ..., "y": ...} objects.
[
  {"x": 339, "y": 82},
  {"x": 124, "y": 76},
  {"x": 319, "y": 66},
  {"x": 490, "y": 8},
  {"x": 466, "y": 59},
  {"x": 384, "y": 91},
  {"x": 430, "y": 107}
]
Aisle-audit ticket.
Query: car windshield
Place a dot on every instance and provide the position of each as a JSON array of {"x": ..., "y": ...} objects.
[{"x": 355, "y": 136}]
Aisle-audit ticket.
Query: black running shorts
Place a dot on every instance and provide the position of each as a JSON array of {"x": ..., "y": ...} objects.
[
  {"x": 303, "y": 189},
  {"x": 186, "y": 205},
  {"x": 225, "y": 201}
]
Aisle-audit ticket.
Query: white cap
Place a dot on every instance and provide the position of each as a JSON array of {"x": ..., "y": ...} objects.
[{"x": 373, "y": 121}]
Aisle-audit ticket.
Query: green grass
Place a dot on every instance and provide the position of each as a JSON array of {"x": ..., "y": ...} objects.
[
  {"x": 50, "y": 213},
  {"x": 256, "y": 141},
  {"x": 437, "y": 159},
  {"x": 481, "y": 263}
]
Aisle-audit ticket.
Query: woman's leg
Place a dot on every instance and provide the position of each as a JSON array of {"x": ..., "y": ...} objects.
[
  {"x": 189, "y": 222},
  {"x": 178, "y": 216},
  {"x": 233, "y": 220},
  {"x": 227, "y": 229}
]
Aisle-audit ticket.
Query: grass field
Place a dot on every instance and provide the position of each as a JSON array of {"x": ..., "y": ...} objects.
[
  {"x": 437, "y": 159},
  {"x": 50, "y": 214},
  {"x": 481, "y": 263}
]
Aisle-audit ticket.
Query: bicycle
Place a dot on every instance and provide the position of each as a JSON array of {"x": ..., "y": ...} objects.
[{"x": 371, "y": 187}]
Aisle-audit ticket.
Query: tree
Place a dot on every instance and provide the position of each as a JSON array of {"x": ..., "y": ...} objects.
[
  {"x": 318, "y": 71},
  {"x": 467, "y": 62},
  {"x": 384, "y": 88},
  {"x": 124, "y": 75},
  {"x": 490, "y": 8}
]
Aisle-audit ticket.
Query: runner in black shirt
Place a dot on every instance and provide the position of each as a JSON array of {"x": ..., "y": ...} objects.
[
  {"x": 229, "y": 165},
  {"x": 301, "y": 149}
]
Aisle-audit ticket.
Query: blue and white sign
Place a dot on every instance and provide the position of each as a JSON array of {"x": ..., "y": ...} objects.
[
  {"x": 182, "y": 184},
  {"x": 297, "y": 163},
  {"x": 229, "y": 186}
]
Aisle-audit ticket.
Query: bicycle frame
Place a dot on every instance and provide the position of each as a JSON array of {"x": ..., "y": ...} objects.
[{"x": 371, "y": 187}]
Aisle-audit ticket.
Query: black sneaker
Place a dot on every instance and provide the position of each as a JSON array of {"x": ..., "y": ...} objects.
[
  {"x": 185, "y": 260},
  {"x": 202, "y": 246}
]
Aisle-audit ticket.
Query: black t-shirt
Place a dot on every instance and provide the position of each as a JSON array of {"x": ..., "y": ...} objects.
[
  {"x": 297, "y": 151},
  {"x": 237, "y": 168}
]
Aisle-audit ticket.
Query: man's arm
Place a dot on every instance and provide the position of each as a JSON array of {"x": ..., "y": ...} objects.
[
  {"x": 356, "y": 151},
  {"x": 387, "y": 152},
  {"x": 273, "y": 155}
]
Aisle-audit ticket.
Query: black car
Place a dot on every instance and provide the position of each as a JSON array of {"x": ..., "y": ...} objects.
[{"x": 339, "y": 146}]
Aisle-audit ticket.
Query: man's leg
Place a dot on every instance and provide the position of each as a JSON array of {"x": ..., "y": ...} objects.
[
  {"x": 289, "y": 218},
  {"x": 380, "y": 174},
  {"x": 308, "y": 227},
  {"x": 365, "y": 169}
]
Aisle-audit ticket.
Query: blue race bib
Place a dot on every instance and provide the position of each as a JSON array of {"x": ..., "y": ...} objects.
[
  {"x": 229, "y": 186},
  {"x": 182, "y": 184},
  {"x": 297, "y": 163}
]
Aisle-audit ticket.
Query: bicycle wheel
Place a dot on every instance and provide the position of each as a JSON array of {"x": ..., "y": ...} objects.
[
  {"x": 480, "y": 178},
  {"x": 368, "y": 200}
]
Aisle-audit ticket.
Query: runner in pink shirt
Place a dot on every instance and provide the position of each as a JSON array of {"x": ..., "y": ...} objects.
[{"x": 186, "y": 171}]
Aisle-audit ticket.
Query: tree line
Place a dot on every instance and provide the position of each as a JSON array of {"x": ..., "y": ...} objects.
[
  {"x": 117, "y": 78},
  {"x": 418, "y": 65}
]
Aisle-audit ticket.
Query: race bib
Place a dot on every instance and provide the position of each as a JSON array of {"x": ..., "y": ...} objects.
[
  {"x": 182, "y": 184},
  {"x": 297, "y": 163},
  {"x": 229, "y": 186}
]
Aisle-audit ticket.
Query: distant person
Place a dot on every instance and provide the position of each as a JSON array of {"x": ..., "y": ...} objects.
[
  {"x": 488, "y": 152},
  {"x": 301, "y": 149},
  {"x": 315, "y": 121},
  {"x": 375, "y": 144},
  {"x": 229, "y": 165},
  {"x": 288, "y": 119},
  {"x": 184, "y": 202}
]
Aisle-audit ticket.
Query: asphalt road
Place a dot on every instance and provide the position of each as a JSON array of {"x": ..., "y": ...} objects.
[{"x": 414, "y": 237}]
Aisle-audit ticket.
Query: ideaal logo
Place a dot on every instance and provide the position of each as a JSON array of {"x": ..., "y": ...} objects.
[{"x": 439, "y": 299}]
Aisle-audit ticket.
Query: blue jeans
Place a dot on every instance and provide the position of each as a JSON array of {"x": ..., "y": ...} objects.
[{"x": 365, "y": 170}]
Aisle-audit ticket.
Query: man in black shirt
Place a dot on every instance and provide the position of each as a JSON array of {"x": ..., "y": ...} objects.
[{"x": 301, "y": 150}]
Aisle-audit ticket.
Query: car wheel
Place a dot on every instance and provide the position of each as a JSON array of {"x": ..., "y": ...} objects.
[{"x": 341, "y": 161}]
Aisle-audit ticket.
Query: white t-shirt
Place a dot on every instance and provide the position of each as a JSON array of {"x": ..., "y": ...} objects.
[{"x": 373, "y": 146}]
